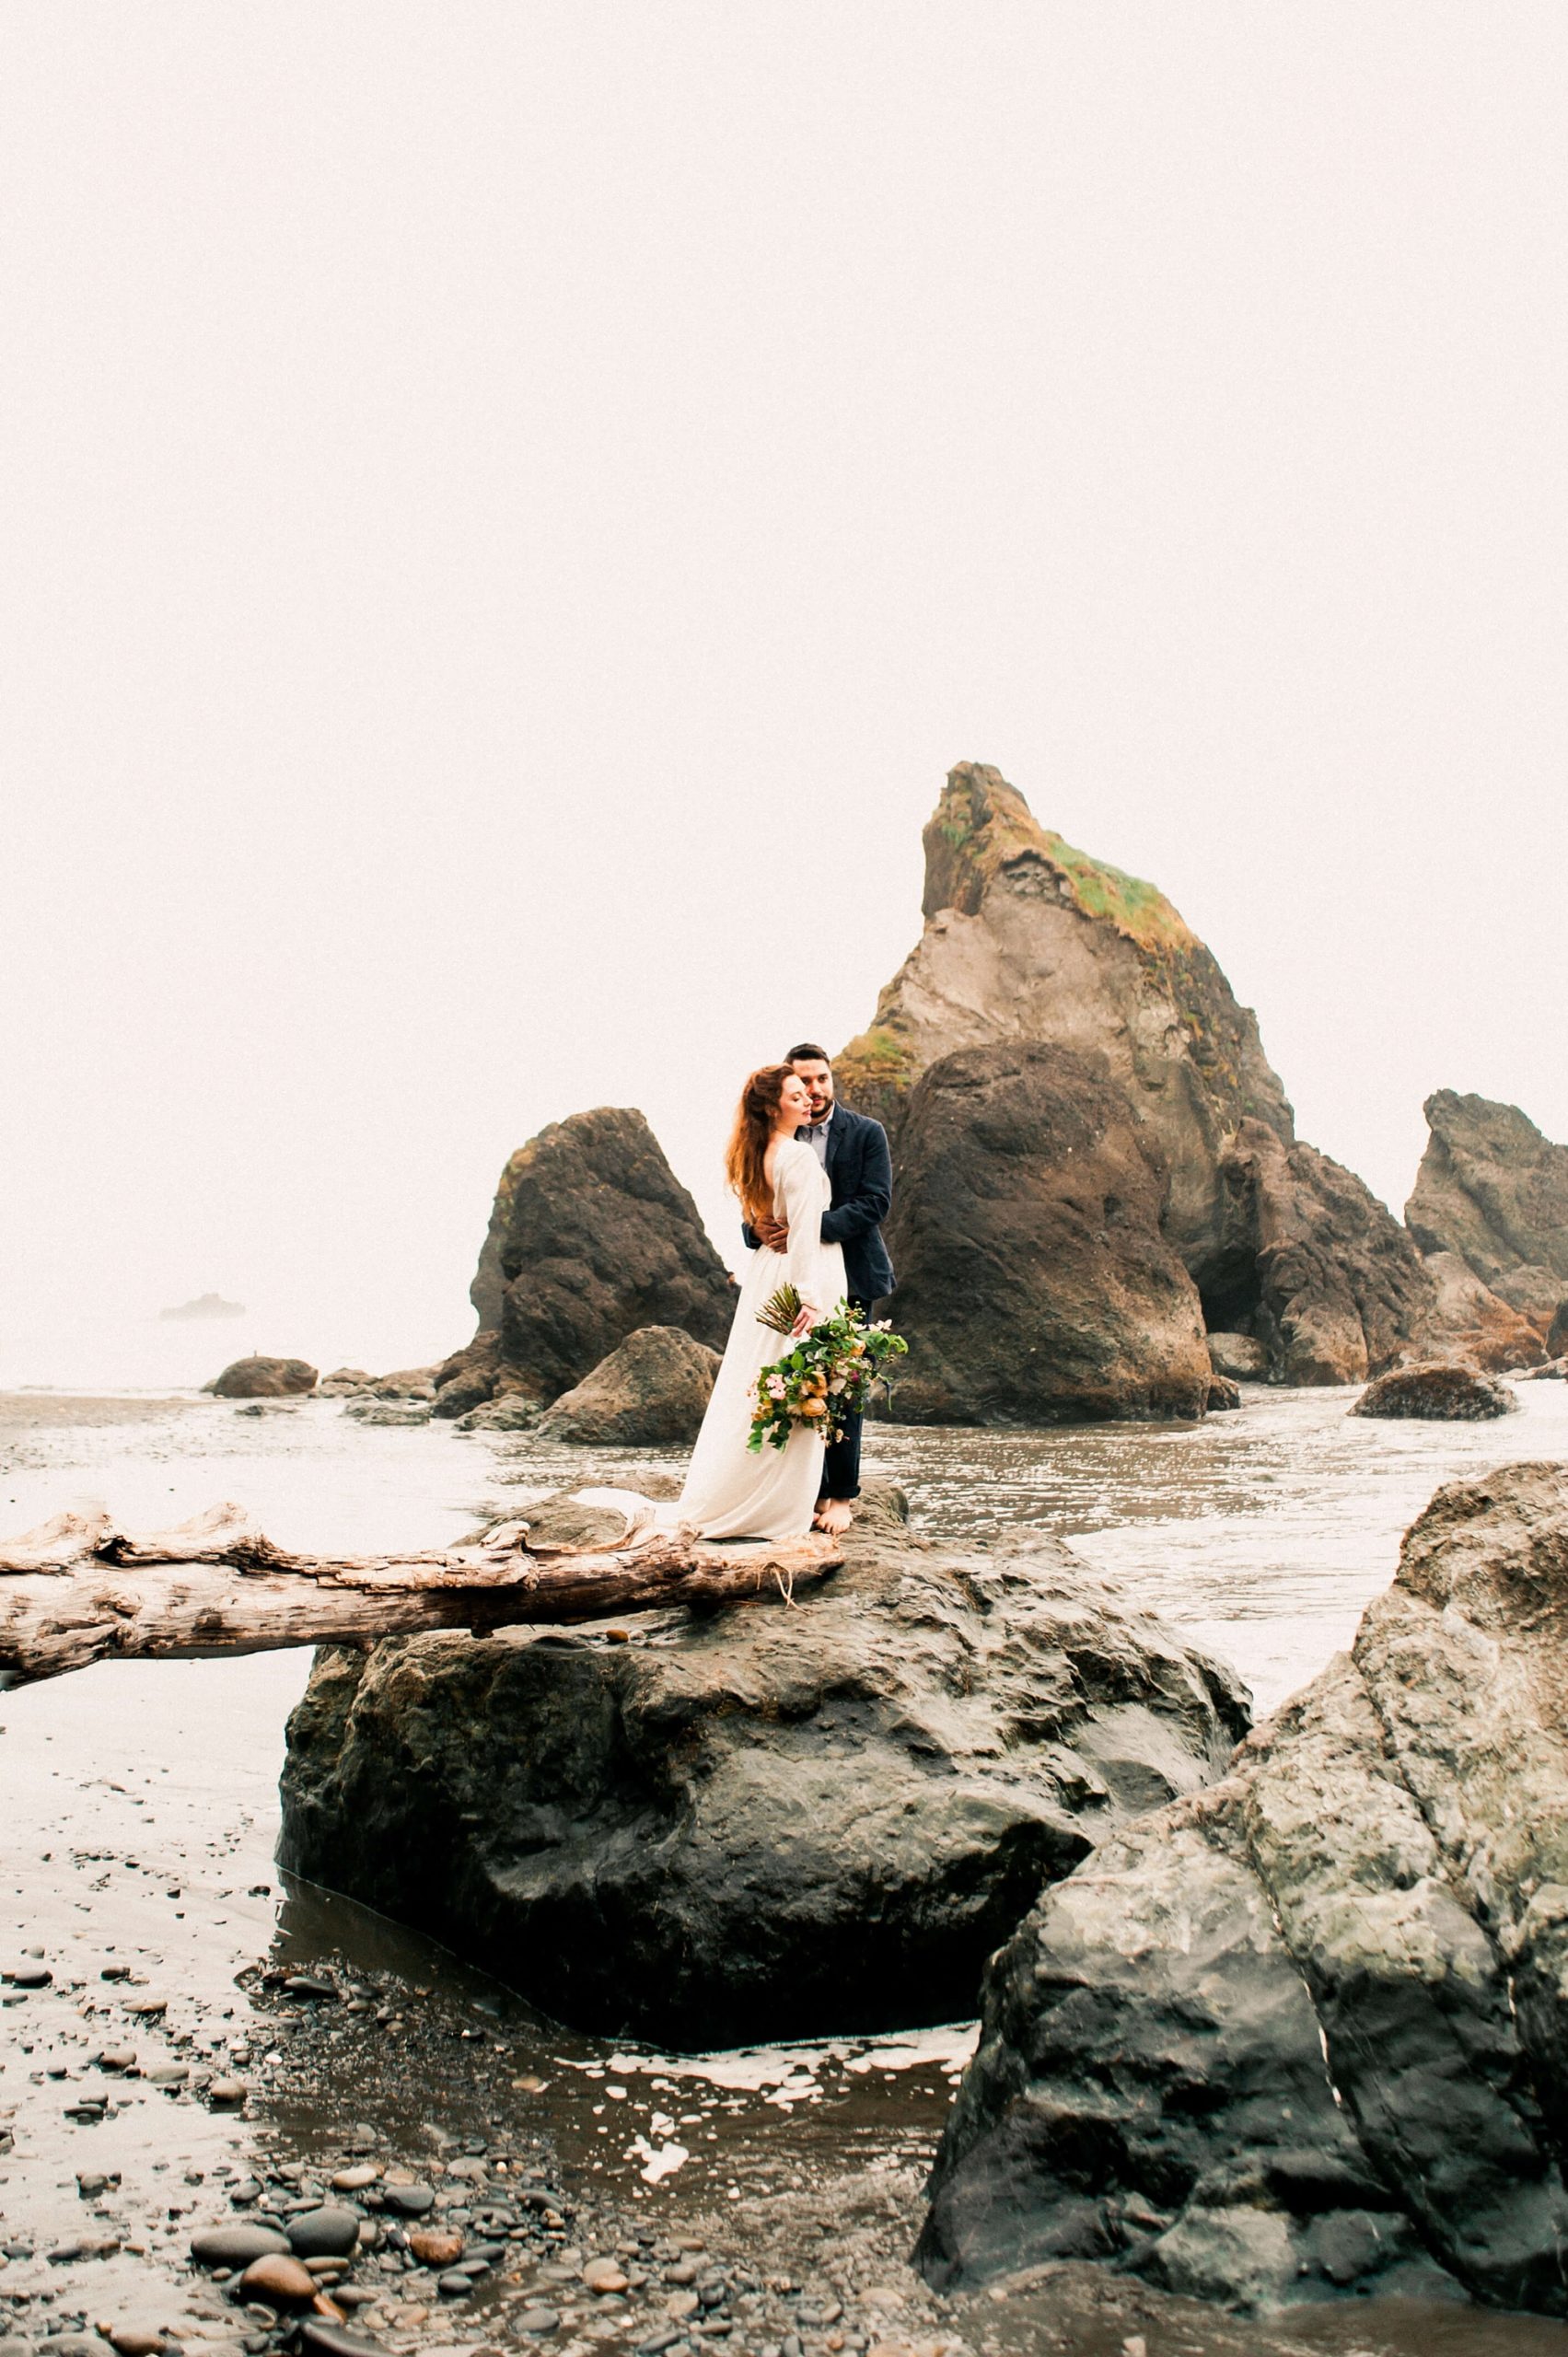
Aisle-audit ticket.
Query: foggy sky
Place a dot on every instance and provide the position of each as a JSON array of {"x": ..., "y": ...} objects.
[{"x": 511, "y": 510}]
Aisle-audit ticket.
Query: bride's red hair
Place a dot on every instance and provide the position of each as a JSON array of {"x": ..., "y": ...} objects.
[{"x": 754, "y": 1119}]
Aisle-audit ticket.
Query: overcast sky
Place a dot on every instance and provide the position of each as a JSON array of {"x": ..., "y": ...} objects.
[{"x": 510, "y": 511}]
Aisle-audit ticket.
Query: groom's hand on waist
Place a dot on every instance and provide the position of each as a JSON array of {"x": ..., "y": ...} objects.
[{"x": 773, "y": 1233}]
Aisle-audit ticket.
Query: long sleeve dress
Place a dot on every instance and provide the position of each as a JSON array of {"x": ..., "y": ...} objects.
[{"x": 729, "y": 1491}]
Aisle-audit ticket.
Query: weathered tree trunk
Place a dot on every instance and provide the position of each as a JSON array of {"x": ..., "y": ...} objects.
[{"x": 76, "y": 1591}]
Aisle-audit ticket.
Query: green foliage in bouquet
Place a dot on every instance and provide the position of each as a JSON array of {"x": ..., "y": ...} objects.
[{"x": 824, "y": 1377}]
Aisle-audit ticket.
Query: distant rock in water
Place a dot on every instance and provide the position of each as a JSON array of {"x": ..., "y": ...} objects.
[
  {"x": 206, "y": 1304},
  {"x": 1441, "y": 1392},
  {"x": 1306, "y": 2033},
  {"x": 1491, "y": 1188},
  {"x": 592, "y": 1235},
  {"x": 1034, "y": 1285},
  {"x": 768, "y": 1823},
  {"x": 650, "y": 1392},
  {"x": 1028, "y": 939},
  {"x": 262, "y": 1378}
]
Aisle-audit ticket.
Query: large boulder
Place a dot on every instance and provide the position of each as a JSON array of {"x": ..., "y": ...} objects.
[
  {"x": 1494, "y": 1189},
  {"x": 1028, "y": 939},
  {"x": 759, "y": 1822},
  {"x": 652, "y": 1391},
  {"x": 1307, "y": 2033},
  {"x": 262, "y": 1378},
  {"x": 592, "y": 1236},
  {"x": 1440, "y": 1391},
  {"x": 1034, "y": 1285}
]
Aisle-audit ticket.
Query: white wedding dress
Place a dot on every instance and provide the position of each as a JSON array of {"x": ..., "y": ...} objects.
[{"x": 729, "y": 1491}]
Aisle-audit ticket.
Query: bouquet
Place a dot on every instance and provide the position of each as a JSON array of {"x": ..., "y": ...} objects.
[{"x": 824, "y": 1377}]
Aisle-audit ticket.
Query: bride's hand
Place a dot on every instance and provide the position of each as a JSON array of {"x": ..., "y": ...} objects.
[{"x": 805, "y": 1322}]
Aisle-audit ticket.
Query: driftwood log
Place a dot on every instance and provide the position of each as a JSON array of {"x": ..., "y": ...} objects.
[{"x": 78, "y": 1590}]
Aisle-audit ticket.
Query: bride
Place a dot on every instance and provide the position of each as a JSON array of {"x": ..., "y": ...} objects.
[{"x": 731, "y": 1492}]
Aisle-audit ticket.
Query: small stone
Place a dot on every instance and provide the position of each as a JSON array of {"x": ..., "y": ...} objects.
[
  {"x": 331, "y": 2340},
  {"x": 327, "y": 2233},
  {"x": 455, "y": 2285},
  {"x": 169, "y": 2074},
  {"x": 604, "y": 2275},
  {"x": 539, "y": 2320},
  {"x": 657, "y": 2342},
  {"x": 227, "y": 2091},
  {"x": 682, "y": 2304},
  {"x": 236, "y": 2243},
  {"x": 408, "y": 2200},
  {"x": 117, "y": 2058},
  {"x": 27, "y": 1974},
  {"x": 146, "y": 2008},
  {"x": 436, "y": 2246},
  {"x": 356, "y": 2180},
  {"x": 308, "y": 1984},
  {"x": 281, "y": 2282},
  {"x": 137, "y": 2340}
]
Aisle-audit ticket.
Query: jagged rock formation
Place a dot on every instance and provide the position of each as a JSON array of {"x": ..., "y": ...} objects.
[
  {"x": 1029, "y": 939},
  {"x": 650, "y": 1392},
  {"x": 1494, "y": 1189},
  {"x": 262, "y": 1378},
  {"x": 1034, "y": 1285},
  {"x": 750, "y": 1824},
  {"x": 1307, "y": 2033},
  {"x": 592, "y": 1235}
]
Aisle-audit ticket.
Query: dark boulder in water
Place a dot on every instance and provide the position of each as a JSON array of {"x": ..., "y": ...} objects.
[
  {"x": 1035, "y": 1285},
  {"x": 262, "y": 1378},
  {"x": 1440, "y": 1391},
  {"x": 764, "y": 1821}
]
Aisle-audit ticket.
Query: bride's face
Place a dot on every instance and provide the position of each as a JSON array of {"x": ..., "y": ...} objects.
[{"x": 795, "y": 1104}]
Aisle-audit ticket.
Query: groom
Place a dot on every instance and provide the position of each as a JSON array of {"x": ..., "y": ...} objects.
[{"x": 853, "y": 1152}]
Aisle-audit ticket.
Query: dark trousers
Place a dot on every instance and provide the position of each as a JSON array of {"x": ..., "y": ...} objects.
[{"x": 840, "y": 1461}]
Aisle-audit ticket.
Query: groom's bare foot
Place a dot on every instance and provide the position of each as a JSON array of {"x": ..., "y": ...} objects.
[{"x": 835, "y": 1515}]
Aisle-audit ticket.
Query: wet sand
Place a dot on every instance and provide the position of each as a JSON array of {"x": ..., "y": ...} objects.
[{"x": 141, "y": 1814}]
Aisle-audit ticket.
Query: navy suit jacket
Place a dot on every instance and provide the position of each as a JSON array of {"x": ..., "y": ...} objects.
[{"x": 860, "y": 1171}]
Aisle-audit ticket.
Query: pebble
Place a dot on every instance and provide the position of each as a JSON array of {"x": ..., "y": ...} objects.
[
  {"x": 117, "y": 2058},
  {"x": 657, "y": 2342},
  {"x": 354, "y": 2180},
  {"x": 137, "y": 2340},
  {"x": 227, "y": 2091},
  {"x": 682, "y": 2303},
  {"x": 327, "y": 2233},
  {"x": 306, "y": 1984},
  {"x": 235, "y": 2244},
  {"x": 281, "y": 2281},
  {"x": 455, "y": 2285},
  {"x": 335, "y": 2340},
  {"x": 408, "y": 2200},
  {"x": 167, "y": 2075},
  {"x": 531, "y": 2320},
  {"x": 436, "y": 2246},
  {"x": 25, "y": 1974}
]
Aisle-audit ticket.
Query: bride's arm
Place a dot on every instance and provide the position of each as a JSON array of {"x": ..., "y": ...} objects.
[{"x": 800, "y": 1184}]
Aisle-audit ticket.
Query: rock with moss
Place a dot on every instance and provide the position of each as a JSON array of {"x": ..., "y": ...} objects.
[
  {"x": 1028, "y": 938},
  {"x": 1305, "y": 2035},
  {"x": 766, "y": 1822}
]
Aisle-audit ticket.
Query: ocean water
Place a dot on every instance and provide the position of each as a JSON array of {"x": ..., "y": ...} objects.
[{"x": 141, "y": 1806}]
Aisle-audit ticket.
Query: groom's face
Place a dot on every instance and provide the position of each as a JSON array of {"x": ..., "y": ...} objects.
[{"x": 817, "y": 1075}]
